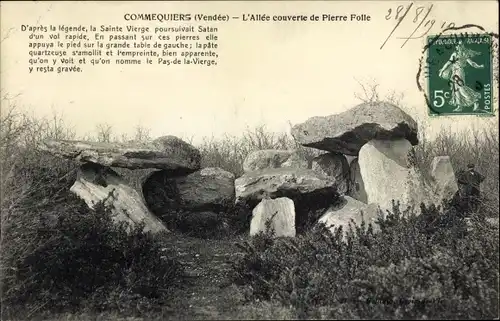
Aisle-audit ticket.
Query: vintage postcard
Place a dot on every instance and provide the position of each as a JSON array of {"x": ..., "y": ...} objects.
[{"x": 219, "y": 160}]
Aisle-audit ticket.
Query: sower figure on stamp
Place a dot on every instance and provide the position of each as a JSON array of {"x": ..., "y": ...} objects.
[
  {"x": 470, "y": 181},
  {"x": 454, "y": 71}
]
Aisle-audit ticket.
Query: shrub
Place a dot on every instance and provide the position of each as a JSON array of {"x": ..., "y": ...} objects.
[
  {"x": 57, "y": 254},
  {"x": 229, "y": 152},
  {"x": 427, "y": 266}
]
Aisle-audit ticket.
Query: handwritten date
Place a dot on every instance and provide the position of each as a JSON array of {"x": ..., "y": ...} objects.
[{"x": 418, "y": 16}]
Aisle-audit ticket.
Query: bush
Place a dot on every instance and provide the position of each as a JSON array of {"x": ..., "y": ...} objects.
[
  {"x": 229, "y": 152},
  {"x": 57, "y": 254},
  {"x": 427, "y": 266}
]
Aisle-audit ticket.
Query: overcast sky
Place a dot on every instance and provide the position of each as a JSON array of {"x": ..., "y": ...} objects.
[{"x": 271, "y": 73}]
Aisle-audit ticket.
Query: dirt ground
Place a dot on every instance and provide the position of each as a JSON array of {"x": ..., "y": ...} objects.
[{"x": 208, "y": 294}]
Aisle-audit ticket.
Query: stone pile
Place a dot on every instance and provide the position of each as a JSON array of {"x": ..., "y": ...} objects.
[
  {"x": 276, "y": 177},
  {"x": 281, "y": 187},
  {"x": 172, "y": 179},
  {"x": 380, "y": 137}
]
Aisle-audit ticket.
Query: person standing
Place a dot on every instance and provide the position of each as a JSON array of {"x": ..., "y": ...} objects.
[{"x": 471, "y": 181}]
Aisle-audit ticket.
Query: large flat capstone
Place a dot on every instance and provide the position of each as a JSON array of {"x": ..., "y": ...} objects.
[
  {"x": 348, "y": 131},
  {"x": 167, "y": 153},
  {"x": 254, "y": 186}
]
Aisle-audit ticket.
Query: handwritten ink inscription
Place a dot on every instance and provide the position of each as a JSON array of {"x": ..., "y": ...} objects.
[{"x": 417, "y": 18}]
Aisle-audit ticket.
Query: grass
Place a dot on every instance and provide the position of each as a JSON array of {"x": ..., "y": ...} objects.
[{"x": 54, "y": 247}]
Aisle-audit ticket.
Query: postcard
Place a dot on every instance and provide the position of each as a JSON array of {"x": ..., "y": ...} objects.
[{"x": 249, "y": 160}]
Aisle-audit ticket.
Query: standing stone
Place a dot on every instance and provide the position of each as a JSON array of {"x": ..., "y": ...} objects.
[
  {"x": 347, "y": 132},
  {"x": 357, "y": 186},
  {"x": 385, "y": 171},
  {"x": 279, "y": 212},
  {"x": 209, "y": 189},
  {"x": 273, "y": 158},
  {"x": 96, "y": 183},
  {"x": 350, "y": 212},
  {"x": 443, "y": 175},
  {"x": 334, "y": 165}
]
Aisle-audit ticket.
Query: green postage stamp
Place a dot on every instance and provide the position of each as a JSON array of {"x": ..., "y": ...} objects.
[{"x": 460, "y": 75}]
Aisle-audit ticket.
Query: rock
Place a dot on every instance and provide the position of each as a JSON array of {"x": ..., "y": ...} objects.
[
  {"x": 334, "y": 165},
  {"x": 167, "y": 153},
  {"x": 296, "y": 160},
  {"x": 135, "y": 177},
  {"x": 280, "y": 213},
  {"x": 173, "y": 145},
  {"x": 252, "y": 187},
  {"x": 273, "y": 158},
  {"x": 350, "y": 211},
  {"x": 444, "y": 180},
  {"x": 356, "y": 184},
  {"x": 96, "y": 183},
  {"x": 349, "y": 158},
  {"x": 387, "y": 175},
  {"x": 347, "y": 132},
  {"x": 209, "y": 189}
]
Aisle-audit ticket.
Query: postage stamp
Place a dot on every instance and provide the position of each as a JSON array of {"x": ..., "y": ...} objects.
[{"x": 459, "y": 75}]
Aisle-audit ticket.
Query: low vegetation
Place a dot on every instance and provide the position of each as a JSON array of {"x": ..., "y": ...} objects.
[
  {"x": 59, "y": 256},
  {"x": 431, "y": 266}
]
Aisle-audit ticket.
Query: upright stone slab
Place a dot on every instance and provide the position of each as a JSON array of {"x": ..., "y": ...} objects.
[
  {"x": 96, "y": 183},
  {"x": 443, "y": 175},
  {"x": 334, "y": 165},
  {"x": 279, "y": 212},
  {"x": 386, "y": 174}
]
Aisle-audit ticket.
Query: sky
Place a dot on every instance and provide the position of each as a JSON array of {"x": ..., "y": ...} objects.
[{"x": 271, "y": 73}]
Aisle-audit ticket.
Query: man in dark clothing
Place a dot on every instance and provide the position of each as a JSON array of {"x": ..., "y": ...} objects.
[{"x": 471, "y": 181}]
